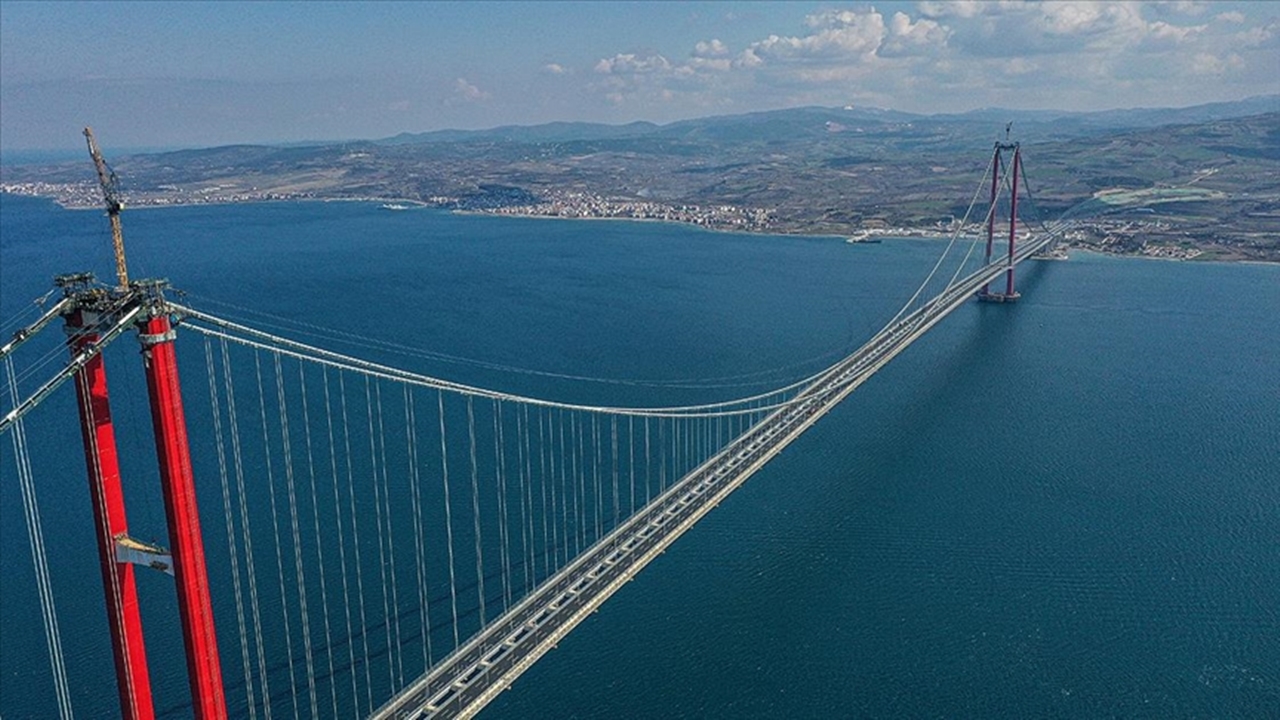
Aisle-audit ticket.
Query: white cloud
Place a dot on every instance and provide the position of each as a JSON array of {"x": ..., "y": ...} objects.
[
  {"x": 907, "y": 38},
  {"x": 1064, "y": 54},
  {"x": 630, "y": 63},
  {"x": 711, "y": 49},
  {"x": 555, "y": 69},
  {"x": 968, "y": 8},
  {"x": 1263, "y": 36},
  {"x": 838, "y": 34},
  {"x": 465, "y": 91},
  {"x": 1209, "y": 64},
  {"x": 1187, "y": 7}
]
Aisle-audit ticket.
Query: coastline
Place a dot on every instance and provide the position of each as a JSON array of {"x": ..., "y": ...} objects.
[{"x": 896, "y": 233}]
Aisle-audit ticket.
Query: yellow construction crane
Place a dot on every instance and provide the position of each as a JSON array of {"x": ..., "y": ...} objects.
[{"x": 111, "y": 194}]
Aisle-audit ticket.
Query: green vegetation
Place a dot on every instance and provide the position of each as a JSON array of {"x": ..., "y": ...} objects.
[{"x": 1211, "y": 184}]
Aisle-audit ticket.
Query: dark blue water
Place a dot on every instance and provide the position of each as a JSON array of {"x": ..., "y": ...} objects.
[{"x": 1066, "y": 508}]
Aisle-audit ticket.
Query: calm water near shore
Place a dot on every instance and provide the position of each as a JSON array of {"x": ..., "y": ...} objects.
[{"x": 1069, "y": 507}]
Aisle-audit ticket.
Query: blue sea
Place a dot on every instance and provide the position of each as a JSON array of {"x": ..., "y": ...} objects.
[{"x": 1067, "y": 507}]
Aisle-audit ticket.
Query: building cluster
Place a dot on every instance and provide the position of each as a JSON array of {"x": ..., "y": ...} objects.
[
  {"x": 65, "y": 194},
  {"x": 588, "y": 205},
  {"x": 88, "y": 195},
  {"x": 1151, "y": 238}
]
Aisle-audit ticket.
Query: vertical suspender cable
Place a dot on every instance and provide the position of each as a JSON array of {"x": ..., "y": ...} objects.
[
  {"x": 275, "y": 527},
  {"x": 631, "y": 462},
  {"x": 219, "y": 443},
  {"x": 448, "y": 519},
  {"x": 548, "y": 506},
  {"x": 291, "y": 491},
  {"x": 342, "y": 543},
  {"x": 419, "y": 543},
  {"x": 315, "y": 521},
  {"x": 500, "y": 460},
  {"x": 251, "y": 574},
  {"x": 475, "y": 509},
  {"x": 613, "y": 458},
  {"x": 521, "y": 469},
  {"x": 387, "y": 561},
  {"x": 39, "y": 559},
  {"x": 575, "y": 482},
  {"x": 363, "y": 627},
  {"x": 596, "y": 476}
]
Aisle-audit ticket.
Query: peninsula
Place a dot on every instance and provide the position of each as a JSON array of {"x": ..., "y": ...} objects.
[{"x": 1190, "y": 183}]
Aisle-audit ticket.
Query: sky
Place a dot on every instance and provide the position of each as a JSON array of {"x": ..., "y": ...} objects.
[{"x": 192, "y": 74}]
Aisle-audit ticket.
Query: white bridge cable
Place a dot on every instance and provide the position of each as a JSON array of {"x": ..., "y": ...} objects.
[
  {"x": 107, "y": 325},
  {"x": 354, "y": 339},
  {"x": 250, "y": 336},
  {"x": 419, "y": 544},
  {"x": 39, "y": 556},
  {"x": 28, "y": 308},
  {"x": 977, "y": 239},
  {"x": 299, "y": 571},
  {"x": 397, "y": 650},
  {"x": 342, "y": 544},
  {"x": 78, "y": 361},
  {"x": 448, "y": 521},
  {"x": 355, "y": 542},
  {"x": 232, "y": 551},
  {"x": 963, "y": 222},
  {"x": 475, "y": 507},
  {"x": 377, "y": 467},
  {"x": 27, "y": 332},
  {"x": 571, "y": 470},
  {"x": 315, "y": 516},
  {"x": 548, "y": 481},
  {"x": 246, "y": 534},
  {"x": 275, "y": 531},
  {"x": 256, "y": 338}
]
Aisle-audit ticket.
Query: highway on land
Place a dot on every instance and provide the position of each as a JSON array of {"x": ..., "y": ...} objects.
[{"x": 460, "y": 685}]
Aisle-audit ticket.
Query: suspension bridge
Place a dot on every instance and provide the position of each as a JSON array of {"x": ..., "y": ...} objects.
[{"x": 382, "y": 543}]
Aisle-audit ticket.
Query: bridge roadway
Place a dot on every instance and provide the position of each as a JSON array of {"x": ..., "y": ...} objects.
[{"x": 460, "y": 685}]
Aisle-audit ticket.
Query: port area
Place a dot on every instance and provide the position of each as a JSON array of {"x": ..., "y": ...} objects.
[
  {"x": 995, "y": 297},
  {"x": 1057, "y": 252}
]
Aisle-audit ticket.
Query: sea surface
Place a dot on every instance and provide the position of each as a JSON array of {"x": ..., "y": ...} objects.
[{"x": 1068, "y": 507}]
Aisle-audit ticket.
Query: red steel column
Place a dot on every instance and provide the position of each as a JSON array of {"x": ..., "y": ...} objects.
[
  {"x": 1013, "y": 220},
  {"x": 991, "y": 211},
  {"x": 102, "y": 462},
  {"x": 204, "y": 670}
]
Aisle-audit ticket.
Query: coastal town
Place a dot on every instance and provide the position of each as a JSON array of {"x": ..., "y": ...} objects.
[
  {"x": 582, "y": 205},
  {"x": 1145, "y": 237}
]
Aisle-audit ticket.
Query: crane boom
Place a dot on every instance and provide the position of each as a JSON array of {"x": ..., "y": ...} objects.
[{"x": 111, "y": 195}]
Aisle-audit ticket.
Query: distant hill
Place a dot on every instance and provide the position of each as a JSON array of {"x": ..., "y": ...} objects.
[
  {"x": 808, "y": 169},
  {"x": 548, "y": 132},
  {"x": 787, "y": 123}
]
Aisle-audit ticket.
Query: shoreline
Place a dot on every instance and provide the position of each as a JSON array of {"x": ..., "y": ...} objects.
[
  {"x": 659, "y": 221},
  {"x": 887, "y": 234}
]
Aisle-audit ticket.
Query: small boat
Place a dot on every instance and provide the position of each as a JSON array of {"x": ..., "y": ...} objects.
[{"x": 394, "y": 206}]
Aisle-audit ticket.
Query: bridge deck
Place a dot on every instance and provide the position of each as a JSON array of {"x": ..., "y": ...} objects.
[{"x": 463, "y": 683}]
